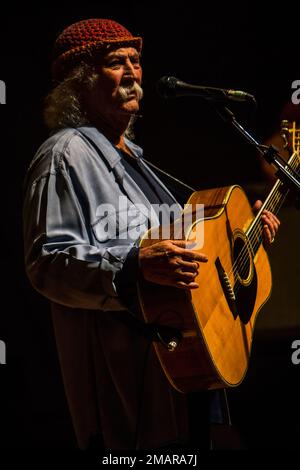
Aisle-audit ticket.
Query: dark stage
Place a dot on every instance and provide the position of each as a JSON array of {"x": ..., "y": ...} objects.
[{"x": 244, "y": 48}]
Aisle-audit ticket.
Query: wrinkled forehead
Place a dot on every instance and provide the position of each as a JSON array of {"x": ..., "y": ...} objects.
[{"x": 121, "y": 52}]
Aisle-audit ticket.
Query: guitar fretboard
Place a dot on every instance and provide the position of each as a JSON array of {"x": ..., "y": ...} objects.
[{"x": 277, "y": 195}]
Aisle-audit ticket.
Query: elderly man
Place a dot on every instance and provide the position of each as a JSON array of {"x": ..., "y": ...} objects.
[{"x": 116, "y": 389}]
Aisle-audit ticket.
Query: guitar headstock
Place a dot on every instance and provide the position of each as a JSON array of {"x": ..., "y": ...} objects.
[{"x": 290, "y": 133}]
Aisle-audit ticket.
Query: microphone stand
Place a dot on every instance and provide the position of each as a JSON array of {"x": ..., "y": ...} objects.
[{"x": 284, "y": 171}]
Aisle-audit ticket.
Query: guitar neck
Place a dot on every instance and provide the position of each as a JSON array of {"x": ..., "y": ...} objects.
[{"x": 273, "y": 202}]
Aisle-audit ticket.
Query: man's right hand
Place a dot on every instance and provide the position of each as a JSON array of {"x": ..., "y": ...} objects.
[{"x": 171, "y": 263}]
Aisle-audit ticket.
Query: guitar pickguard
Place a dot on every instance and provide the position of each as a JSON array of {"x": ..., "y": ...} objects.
[{"x": 240, "y": 297}]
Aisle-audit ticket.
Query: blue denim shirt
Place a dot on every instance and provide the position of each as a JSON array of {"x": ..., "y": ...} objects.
[
  {"x": 69, "y": 256},
  {"x": 73, "y": 261}
]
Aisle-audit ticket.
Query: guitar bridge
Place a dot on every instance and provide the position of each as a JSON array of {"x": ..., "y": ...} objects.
[{"x": 227, "y": 287}]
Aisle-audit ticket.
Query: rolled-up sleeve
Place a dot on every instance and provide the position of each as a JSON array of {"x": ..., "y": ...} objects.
[{"x": 61, "y": 260}]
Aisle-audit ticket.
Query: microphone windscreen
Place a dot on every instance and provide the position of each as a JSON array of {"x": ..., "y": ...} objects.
[{"x": 166, "y": 86}]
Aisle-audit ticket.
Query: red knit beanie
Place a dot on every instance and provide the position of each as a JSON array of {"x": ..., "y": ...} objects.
[{"x": 87, "y": 37}]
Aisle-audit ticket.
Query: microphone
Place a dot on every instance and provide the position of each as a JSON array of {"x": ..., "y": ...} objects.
[{"x": 172, "y": 87}]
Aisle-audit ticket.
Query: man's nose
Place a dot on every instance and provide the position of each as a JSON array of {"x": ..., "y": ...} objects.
[{"x": 130, "y": 70}]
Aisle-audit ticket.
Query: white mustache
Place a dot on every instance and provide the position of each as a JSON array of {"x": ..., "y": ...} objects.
[{"x": 125, "y": 92}]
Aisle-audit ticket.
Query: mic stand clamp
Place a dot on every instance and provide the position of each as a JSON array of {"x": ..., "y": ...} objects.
[{"x": 284, "y": 171}]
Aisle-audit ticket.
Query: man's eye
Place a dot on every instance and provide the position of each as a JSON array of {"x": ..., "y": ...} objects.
[{"x": 113, "y": 63}]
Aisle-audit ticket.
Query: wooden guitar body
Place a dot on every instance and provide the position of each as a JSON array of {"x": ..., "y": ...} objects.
[{"x": 208, "y": 331}]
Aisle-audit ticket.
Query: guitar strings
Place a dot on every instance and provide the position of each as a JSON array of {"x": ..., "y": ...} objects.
[
  {"x": 274, "y": 204},
  {"x": 243, "y": 259},
  {"x": 257, "y": 228},
  {"x": 255, "y": 231}
]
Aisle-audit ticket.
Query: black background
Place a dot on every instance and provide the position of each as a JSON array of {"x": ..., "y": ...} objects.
[{"x": 246, "y": 46}]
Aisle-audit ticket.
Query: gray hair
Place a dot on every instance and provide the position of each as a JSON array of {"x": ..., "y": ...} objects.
[{"x": 64, "y": 106}]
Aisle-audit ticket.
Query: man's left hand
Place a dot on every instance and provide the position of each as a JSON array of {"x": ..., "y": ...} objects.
[{"x": 270, "y": 224}]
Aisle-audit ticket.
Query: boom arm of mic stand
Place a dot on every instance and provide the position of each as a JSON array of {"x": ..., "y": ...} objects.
[{"x": 284, "y": 171}]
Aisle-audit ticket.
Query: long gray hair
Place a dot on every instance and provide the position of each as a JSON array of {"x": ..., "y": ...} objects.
[{"x": 64, "y": 106}]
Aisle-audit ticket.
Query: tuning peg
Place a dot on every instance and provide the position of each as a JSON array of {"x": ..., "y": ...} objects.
[{"x": 285, "y": 132}]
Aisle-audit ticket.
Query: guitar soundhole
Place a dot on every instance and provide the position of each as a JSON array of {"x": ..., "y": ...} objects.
[
  {"x": 245, "y": 285},
  {"x": 242, "y": 261}
]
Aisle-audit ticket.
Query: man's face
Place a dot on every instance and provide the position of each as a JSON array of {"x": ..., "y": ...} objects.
[{"x": 115, "y": 93}]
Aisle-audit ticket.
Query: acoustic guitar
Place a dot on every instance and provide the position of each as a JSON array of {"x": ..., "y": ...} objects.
[{"x": 206, "y": 333}]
